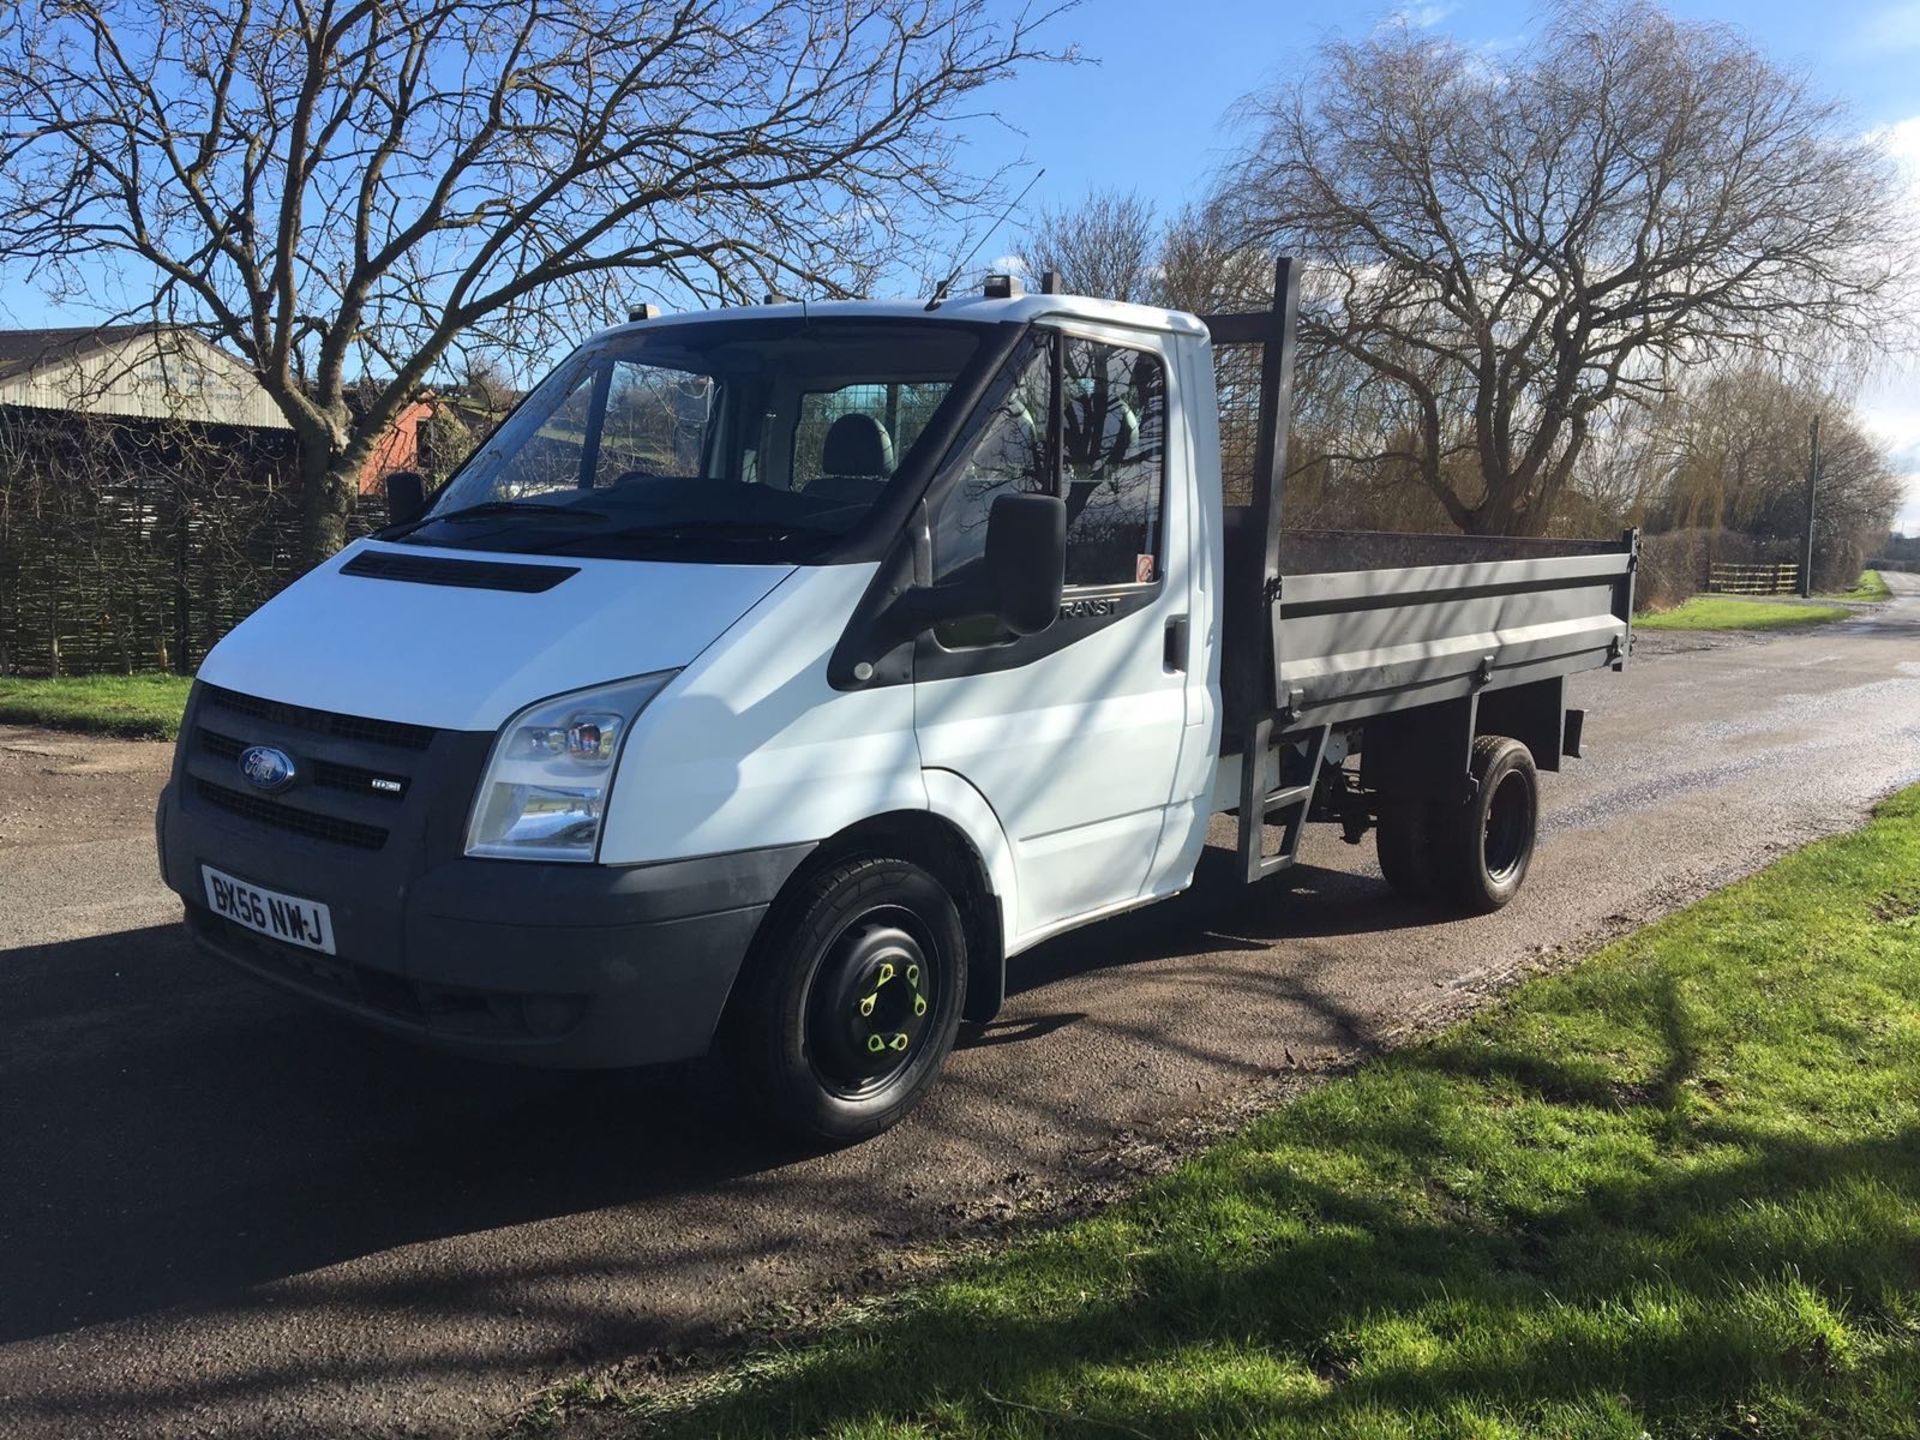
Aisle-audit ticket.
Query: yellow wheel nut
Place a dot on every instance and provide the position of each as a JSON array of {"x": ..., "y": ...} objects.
[
  {"x": 886, "y": 972},
  {"x": 866, "y": 1005},
  {"x": 875, "y": 1043},
  {"x": 899, "y": 1041},
  {"x": 913, "y": 974},
  {"x": 919, "y": 1004}
]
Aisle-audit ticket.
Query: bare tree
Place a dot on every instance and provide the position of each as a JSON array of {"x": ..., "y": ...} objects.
[
  {"x": 325, "y": 184},
  {"x": 1514, "y": 251},
  {"x": 1739, "y": 448},
  {"x": 1204, "y": 268},
  {"x": 1106, "y": 244}
]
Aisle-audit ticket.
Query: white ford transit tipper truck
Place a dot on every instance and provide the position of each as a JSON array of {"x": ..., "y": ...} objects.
[{"x": 774, "y": 677}]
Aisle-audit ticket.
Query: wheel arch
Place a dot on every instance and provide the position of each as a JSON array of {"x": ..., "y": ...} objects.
[{"x": 940, "y": 845}]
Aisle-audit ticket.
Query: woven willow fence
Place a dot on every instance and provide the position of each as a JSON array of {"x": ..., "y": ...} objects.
[{"x": 134, "y": 545}]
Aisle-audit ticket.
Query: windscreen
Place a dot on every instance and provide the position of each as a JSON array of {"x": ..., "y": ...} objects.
[{"x": 720, "y": 441}]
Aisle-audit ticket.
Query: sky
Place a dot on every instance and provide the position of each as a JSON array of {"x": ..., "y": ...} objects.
[{"x": 1151, "y": 109}]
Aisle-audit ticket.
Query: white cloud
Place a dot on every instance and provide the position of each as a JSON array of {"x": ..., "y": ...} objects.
[
  {"x": 1901, "y": 140},
  {"x": 1891, "y": 413},
  {"x": 1890, "y": 408},
  {"x": 1420, "y": 15}
]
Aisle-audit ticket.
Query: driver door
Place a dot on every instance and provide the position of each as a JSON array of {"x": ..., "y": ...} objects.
[{"x": 1073, "y": 734}]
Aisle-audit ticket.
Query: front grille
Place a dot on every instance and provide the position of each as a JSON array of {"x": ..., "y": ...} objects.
[
  {"x": 285, "y": 817},
  {"x": 355, "y": 781},
  {"x": 327, "y": 774},
  {"x": 221, "y": 747},
  {"x": 391, "y": 733}
]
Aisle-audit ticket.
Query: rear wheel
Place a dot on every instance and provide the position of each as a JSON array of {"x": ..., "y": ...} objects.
[
  {"x": 847, "y": 1014},
  {"x": 1480, "y": 850}
]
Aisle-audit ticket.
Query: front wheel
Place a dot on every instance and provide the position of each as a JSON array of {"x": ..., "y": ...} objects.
[
  {"x": 1481, "y": 850},
  {"x": 848, "y": 1011}
]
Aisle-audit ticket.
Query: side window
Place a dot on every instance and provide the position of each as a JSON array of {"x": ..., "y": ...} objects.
[{"x": 1114, "y": 445}]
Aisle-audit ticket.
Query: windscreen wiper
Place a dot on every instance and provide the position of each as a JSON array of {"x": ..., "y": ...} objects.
[{"x": 492, "y": 507}]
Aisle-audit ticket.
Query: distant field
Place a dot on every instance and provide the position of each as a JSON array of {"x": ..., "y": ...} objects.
[
  {"x": 1726, "y": 612},
  {"x": 141, "y": 707}
]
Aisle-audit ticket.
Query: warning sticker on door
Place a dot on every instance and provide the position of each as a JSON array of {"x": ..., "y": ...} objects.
[{"x": 1143, "y": 569}]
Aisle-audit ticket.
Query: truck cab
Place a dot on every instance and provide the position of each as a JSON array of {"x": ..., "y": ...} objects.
[{"x": 773, "y": 677}]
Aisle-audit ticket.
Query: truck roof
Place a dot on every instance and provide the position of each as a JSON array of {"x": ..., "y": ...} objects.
[{"x": 970, "y": 306}]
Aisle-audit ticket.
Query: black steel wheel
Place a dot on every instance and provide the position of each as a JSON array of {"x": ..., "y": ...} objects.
[
  {"x": 869, "y": 1008},
  {"x": 849, "y": 1007},
  {"x": 1481, "y": 850}
]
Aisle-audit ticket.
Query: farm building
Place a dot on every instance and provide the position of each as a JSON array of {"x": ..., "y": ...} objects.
[{"x": 135, "y": 372}]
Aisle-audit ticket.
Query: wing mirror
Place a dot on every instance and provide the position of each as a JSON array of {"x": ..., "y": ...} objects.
[
  {"x": 1018, "y": 581},
  {"x": 1026, "y": 561},
  {"x": 406, "y": 496}
]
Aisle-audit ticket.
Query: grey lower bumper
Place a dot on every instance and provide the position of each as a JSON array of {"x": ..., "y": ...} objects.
[{"x": 564, "y": 965}]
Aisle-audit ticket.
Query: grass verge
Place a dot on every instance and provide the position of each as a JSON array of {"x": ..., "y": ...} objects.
[
  {"x": 141, "y": 707},
  {"x": 1674, "y": 1192},
  {"x": 1868, "y": 587},
  {"x": 1722, "y": 612}
]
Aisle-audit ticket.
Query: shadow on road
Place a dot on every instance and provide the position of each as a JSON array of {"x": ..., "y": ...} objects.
[
  {"x": 1309, "y": 902},
  {"x": 176, "y": 1132}
]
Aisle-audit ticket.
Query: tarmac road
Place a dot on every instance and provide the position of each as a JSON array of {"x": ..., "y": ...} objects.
[{"x": 224, "y": 1213}]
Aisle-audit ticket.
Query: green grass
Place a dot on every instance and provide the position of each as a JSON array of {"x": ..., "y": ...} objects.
[
  {"x": 135, "y": 706},
  {"x": 1868, "y": 587},
  {"x": 1674, "y": 1192},
  {"x": 1726, "y": 612}
]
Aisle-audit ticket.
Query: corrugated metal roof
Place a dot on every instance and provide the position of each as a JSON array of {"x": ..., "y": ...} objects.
[
  {"x": 23, "y": 350},
  {"x": 161, "y": 372}
]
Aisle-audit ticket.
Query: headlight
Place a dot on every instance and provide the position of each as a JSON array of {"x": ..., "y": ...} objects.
[{"x": 544, "y": 790}]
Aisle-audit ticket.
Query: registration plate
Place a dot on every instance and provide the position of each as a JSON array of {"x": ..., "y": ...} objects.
[{"x": 284, "y": 917}]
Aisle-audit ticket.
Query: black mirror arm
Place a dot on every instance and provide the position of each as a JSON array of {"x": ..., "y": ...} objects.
[{"x": 921, "y": 608}]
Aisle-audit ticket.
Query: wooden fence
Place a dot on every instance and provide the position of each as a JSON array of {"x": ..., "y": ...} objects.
[
  {"x": 1753, "y": 579},
  {"x": 135, "y": 545}
]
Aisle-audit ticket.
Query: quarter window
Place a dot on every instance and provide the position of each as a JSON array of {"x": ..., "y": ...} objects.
[{"x": 1010, "y": 458}]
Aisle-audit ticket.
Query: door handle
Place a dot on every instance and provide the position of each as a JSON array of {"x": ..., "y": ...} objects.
[{"x": 1174, "y": 657}]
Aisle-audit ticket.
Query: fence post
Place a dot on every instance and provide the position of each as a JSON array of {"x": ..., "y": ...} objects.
[{"x": 1813, "y": 492}]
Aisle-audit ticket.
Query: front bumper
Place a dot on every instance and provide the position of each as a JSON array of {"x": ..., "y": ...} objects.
[{"x": 547, "y": 964}]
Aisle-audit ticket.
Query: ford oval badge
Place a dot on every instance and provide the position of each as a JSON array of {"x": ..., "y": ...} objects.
[{"x": 266, "y": 768}]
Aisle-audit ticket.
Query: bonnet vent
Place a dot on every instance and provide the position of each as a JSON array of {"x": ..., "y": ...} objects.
[{"x": 462, "y": 574}]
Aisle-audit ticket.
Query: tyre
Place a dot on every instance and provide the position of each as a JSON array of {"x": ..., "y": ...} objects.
[
  {"x": 1401, "y": 838},
  {"x": 1479, "y": 851},
  {"x": 847, "y": 1012}
]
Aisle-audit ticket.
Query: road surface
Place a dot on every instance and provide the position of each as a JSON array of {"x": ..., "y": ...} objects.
[{"x": 222, "y": 1212}]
